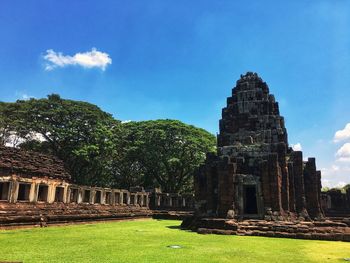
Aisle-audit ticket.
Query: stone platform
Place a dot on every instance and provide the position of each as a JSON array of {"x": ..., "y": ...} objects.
[
  {"x": 319, "y": 230},
  {"x": 43, "y": 214}
]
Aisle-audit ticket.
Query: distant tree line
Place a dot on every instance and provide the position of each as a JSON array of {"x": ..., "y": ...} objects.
[
  {"x": 100, "y": 150},
  {"x": 342, "y": 189}
]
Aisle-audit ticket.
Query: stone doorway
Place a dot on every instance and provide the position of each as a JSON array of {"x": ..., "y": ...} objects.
[
  {"x": 23, "y": 192},
  {"x": 43, "y": 193},
  {"x": 4, "y": 191},
  {"x": 59, "y": 194},
  {"x": 86, "y": 196},
  {"x": 74, "y": 195},
  {"x": 250, "y": 200},
  {"x": 97, "y": 197}
]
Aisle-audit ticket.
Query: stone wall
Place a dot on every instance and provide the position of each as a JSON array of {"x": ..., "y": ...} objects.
[{"x": 255, "y": 174}]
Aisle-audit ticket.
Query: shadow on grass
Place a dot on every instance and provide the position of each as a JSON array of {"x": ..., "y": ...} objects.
[{"x": 174, "y": 227}]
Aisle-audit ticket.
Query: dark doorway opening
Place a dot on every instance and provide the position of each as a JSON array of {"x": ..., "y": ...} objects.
[
  {"x": 42, "y": 193},
  {"x": 23, "y": 192},
  {"x": 132, "y": 199},
  {"x": 86, "y": 198},
  {"x": 125, "y": 198},
  {"x": 59, "y": 194},
  {"x": 108, "y": 198},
  {"x": 4, "y": 190},
  {"x": 97, "y": 197},
  {"x": 74, "y": 194},
  {"x": 250, "y": 204},
  {"x": 117, "y": 198}
]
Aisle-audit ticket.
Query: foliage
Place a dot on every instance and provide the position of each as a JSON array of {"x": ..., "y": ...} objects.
[
  {"x": 165, "y": 152},
  {"x": 99, "y": 150},
  {"x": 77, "y": 132},
  {"x": 148, "y": 241}
]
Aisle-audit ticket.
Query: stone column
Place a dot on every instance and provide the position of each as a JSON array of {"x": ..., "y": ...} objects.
[
  {"x": 14, "y": 191},
  {"x": 51, "y": 193},
  {"x": 226, "y": 186},
  {"x": 103, "y": 197},
  {"x": 128, "y": 198},
  {"x": 291, "y": 188},
  {"x": 299, "y": 190},
  {"x": 275, "y": 183},
  {"x": 312, "y": 184},
  {"x": 80, "y": 195},
  {"x": 285, "y": 176},
  {"x": 33, "y": 193},
  {"x": 65, "y": 194},
  {"x": 265, "y": 183}
]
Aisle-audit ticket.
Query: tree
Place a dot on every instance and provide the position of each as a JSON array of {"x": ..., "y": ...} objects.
[
  {"x": 99, "y": 150},
  {"x": 77, "y": 132},
  {"x": 166, "y": 152},
  {"x": 12, "y": 125}
]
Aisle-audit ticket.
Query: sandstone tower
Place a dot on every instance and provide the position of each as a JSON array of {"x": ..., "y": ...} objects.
[{"x": 255, "y": 174}]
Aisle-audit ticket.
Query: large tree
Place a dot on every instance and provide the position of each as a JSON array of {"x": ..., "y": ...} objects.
[
  {"x": 165, "y": 152},
  {"x": 99, "y": 150},
  {"x": 77, "y": 132}
]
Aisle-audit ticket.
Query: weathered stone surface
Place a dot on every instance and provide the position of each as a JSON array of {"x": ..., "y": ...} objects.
[
  {"x": 29, "y": 163},
  {"x": 283, "y": 229},
  {"x": 256, "y": 181},
  {"x": 255, "y": 174}
]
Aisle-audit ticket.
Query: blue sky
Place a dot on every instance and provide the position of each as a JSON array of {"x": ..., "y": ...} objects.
[{"x": 180, "y": 59}]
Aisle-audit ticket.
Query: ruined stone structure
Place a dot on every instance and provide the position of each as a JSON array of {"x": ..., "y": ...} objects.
[
  {"x": 336, "y": 205},
  {"x": 36, "y": 188},
  {"x": 255, "y": 174}
]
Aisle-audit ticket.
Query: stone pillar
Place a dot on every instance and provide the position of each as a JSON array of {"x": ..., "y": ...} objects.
[
  {"x": 113, "y": 198},
  {"x": 226, "y": 187},
  {"x": 65, "y": 194},
  {"x": 14, "y": 191},
  {"x": 33, "y": 192},
  {"x": 312, "y": 184},
  {"x": 80, "y": 195},
  {"x": 291, "y": 188},
  {"x": 128, "y": 198},
  {"x": 103, "y": 197},
  {"x": 285, "y": 176},
  {"x": 51, "y": 193},
  {"x": 299, "y": 190},
  {"x": 275, "y": 183},
  {"x": 92, "y": 196},
  {"x": 265, "y": 183}
]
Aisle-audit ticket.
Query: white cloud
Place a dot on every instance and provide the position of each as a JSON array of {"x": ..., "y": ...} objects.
[
  {"x": 126, "y": 121},
  {"x": 335, "y": 176},
  {"x": 23, "y": 95},
  {"x": 343, "y": 153},
  {"x": 89, "y": 59},
  {"x": 297, "y": 147},
  {"x": 342, "y": 134},
  {"x": 340, "y": 185}
]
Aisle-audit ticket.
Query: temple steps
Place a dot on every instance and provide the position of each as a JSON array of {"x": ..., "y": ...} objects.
[{"x": 321, "y": 230}]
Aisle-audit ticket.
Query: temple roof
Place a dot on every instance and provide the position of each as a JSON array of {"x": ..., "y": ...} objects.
[{"x": 29, "y": 163}]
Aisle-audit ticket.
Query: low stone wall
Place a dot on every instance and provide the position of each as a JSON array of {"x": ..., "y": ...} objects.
[
  {"x": 15, "y": 188},
  {"x": 171, "y": 201},
  {"x": 325, "y": 230},
  {"x": 43, "y": 214}
]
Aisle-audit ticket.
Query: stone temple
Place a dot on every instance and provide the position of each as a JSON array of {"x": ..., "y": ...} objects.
[
  {"x": 255, "y": 173},
  {"x": 256, "y": 184}
]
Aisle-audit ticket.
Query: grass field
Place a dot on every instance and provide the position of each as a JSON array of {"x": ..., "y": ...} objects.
[{"x": 148, "y": 241}]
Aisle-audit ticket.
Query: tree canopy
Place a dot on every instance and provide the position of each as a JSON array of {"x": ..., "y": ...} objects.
[
  {"x": 165, "y": 152},
  {"x": 100, "y": 150}
]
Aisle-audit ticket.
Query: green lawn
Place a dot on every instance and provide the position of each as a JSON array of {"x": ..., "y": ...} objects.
[{"x": 148, "y": 241}]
